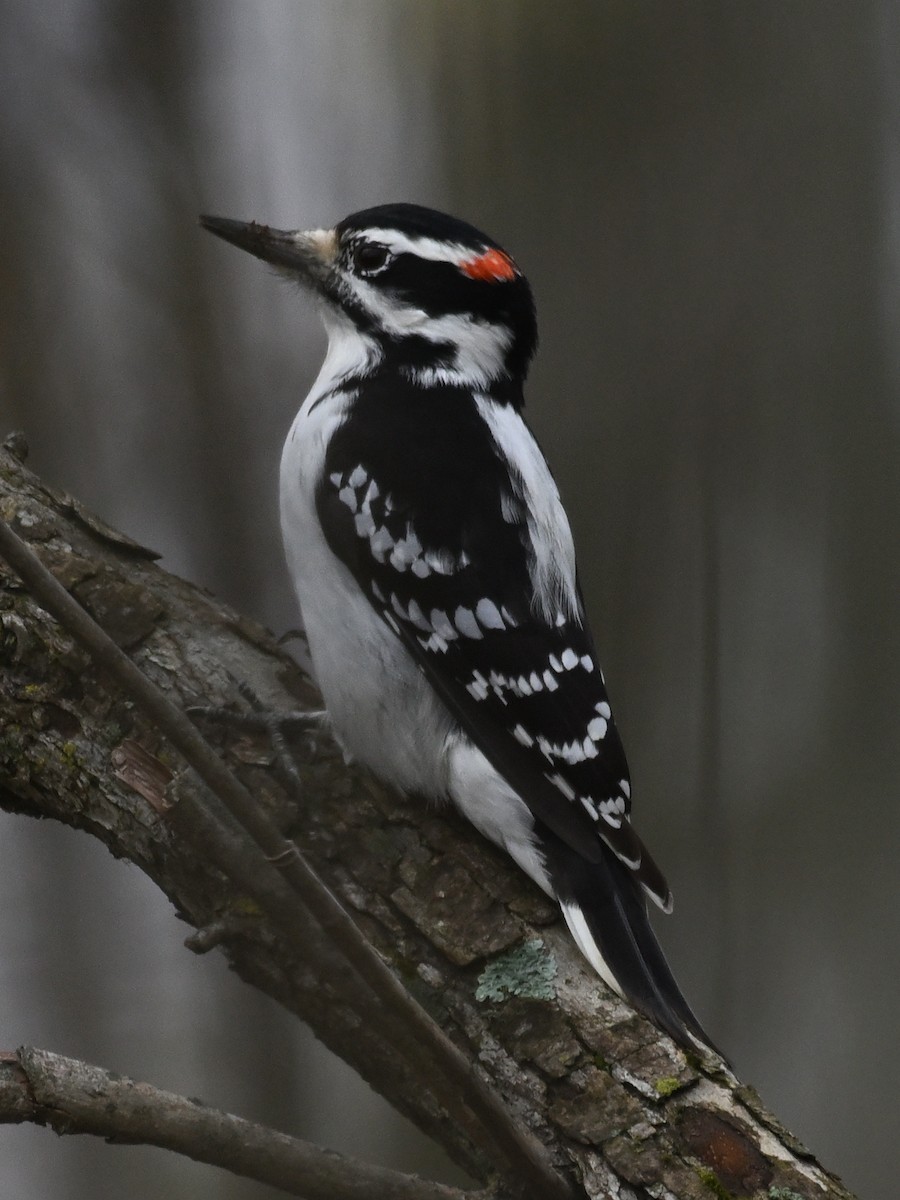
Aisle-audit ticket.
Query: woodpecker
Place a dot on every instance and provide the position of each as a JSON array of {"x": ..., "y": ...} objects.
[{"x": 435, "y": 570}]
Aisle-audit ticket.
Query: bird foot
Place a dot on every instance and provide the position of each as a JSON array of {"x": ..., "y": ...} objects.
[{"x": 279, "y": 728}]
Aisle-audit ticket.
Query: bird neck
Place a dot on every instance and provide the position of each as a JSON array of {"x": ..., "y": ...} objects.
[{"x": 453, "y": 352}]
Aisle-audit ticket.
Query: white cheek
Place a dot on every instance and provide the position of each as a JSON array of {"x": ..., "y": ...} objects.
[
  {"x": 388, "y": 313},
  {"x": 478, "y": 348}
]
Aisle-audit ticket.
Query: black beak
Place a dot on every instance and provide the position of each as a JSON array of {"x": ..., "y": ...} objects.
[{"x": 307, "y": 254}]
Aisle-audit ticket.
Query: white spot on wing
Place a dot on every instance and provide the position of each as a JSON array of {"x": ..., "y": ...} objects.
[
  {"x": 572, "y": 752},
  {"x": 439, "y": 561},
  {"x": 435, "y": 643},
  {"x": 522, "y": 735},
  {"x": 380, "y": 542},
  {"x": 406, "y": 550},
  {"x": 418, "y": 617},
  {"x": 478, "y": 688},
  {"x": 563, "y": 785},
  {"x": 569, "y": 658},
  {"x": 465, "y": 622},
  {"x": 609, "y": 810},
  {"x": 441, "y": 625},
  {"x": 365, "y": 524},
  {"x": 488, "y": 614},
  {"x": 597, "y": 729}
]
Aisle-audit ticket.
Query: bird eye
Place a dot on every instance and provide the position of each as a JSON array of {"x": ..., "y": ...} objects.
[{"x": 369, "y": 258}]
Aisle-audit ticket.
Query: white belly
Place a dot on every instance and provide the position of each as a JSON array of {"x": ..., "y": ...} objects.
[{"x": 383, "y": 712}]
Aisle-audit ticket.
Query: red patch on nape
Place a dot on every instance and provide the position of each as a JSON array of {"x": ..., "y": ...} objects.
[{"x": 493, "y": 266}]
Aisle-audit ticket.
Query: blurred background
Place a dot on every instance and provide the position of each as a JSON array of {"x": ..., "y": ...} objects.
[{"x": 705, "y": 197}]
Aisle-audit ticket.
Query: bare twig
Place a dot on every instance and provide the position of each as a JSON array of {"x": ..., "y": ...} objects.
[
  {"x": 76, "y": 1097},
  {"x": 517, "y": 1154}
]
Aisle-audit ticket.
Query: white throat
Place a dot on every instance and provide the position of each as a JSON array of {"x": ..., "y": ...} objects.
[{"x": 350, "y": 355}]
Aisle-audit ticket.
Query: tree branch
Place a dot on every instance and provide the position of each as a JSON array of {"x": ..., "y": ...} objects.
[
  {"x": 616, "y": 1105},
  {"x": 317, "y": 921},
  {"x": 76, "y": 1097}
]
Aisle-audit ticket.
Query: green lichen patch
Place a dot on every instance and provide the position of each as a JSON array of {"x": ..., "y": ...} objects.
[
  {"x": 667, "y": 1085},
  {"x": 529, "y": 970},
  {"x": 711, "y": 1180},
  {"x": 783, "y": 1193}
]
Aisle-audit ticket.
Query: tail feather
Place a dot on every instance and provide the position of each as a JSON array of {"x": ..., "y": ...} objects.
[{"x": 606, "y": 912}]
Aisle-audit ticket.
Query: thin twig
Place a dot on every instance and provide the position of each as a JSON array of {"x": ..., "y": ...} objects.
[
  {"x": 76, "y": 1097},
  {"x": 225, "y": 844},
  {"x": 516, "y": 1153}
]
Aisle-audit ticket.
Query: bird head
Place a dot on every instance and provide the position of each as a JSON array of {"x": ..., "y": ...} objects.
[{"x": 444, "y": 302}]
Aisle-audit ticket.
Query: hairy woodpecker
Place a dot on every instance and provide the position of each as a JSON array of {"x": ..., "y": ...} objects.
[{"x": 435, "y": 571}]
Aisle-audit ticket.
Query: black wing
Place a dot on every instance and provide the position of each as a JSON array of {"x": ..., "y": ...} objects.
[{"x": 441, "y": 550}]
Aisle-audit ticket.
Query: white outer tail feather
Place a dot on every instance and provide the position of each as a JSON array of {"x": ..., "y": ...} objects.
[{"x": 584, "y": 939}]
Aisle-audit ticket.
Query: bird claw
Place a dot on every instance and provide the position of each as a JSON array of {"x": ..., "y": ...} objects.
[{"x": 276, "y": 726}]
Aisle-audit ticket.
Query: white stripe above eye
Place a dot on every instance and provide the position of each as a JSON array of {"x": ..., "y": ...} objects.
[{"x": 423, "y": 247}]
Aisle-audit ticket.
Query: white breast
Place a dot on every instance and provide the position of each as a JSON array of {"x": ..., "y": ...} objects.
[{"x": 382, "y": 710}]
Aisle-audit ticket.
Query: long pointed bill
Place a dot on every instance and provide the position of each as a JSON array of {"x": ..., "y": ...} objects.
[{"x": 309, "y": 254}]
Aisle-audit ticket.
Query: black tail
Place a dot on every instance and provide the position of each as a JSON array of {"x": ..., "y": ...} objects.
[{"x": 606, "y": 912}]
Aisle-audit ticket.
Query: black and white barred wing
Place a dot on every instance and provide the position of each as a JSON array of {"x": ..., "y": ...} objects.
[{"x": 527, "y": 691}]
